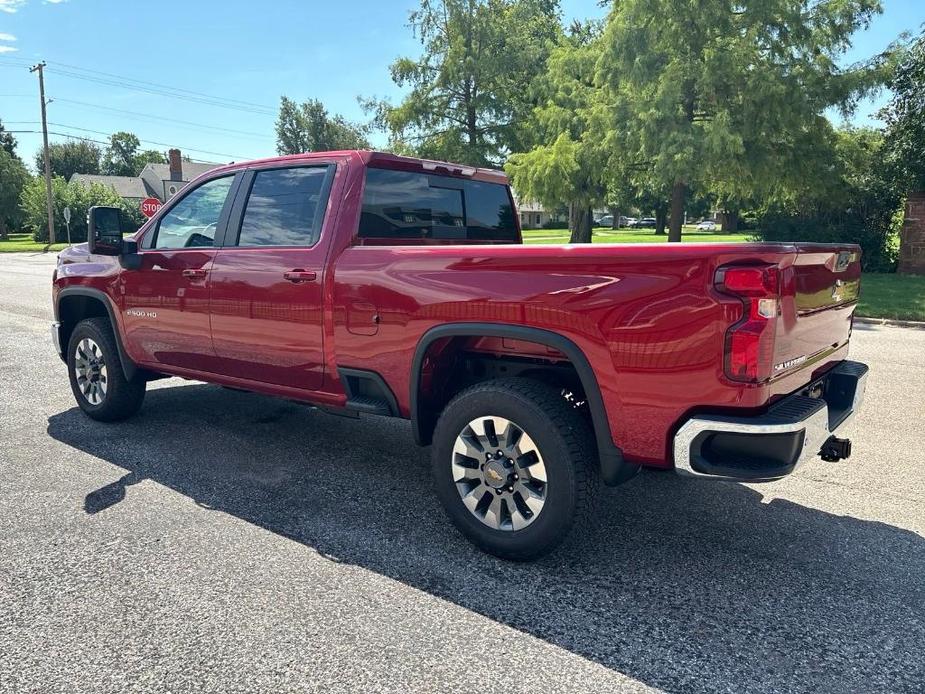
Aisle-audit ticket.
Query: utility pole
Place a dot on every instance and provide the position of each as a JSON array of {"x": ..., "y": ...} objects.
[{"x": 40, "y": 67}]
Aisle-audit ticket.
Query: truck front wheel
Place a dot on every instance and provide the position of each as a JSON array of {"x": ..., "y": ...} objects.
[
  {"x": 512, "y": 464},
  {"x": 95, "y": 370}
]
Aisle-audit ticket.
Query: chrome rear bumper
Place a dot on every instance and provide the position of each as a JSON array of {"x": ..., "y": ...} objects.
[{"x": 771, "y": 445}]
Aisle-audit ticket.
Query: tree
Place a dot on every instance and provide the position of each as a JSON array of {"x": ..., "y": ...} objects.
[
  {"x": 857, "y": 203},
  {"x": 68, "y": 158},
  {"x": 78, "y": 197},
  {"x": 469, "y": 92},
  {"x": 13, "y": 177},
  {"x": 119, "y": 157},
  {"x": 308, "y": 127},
  {"x": 7, "y": 141},
  {"x": 730, "y": 97},
  {"x": 123, "y": 158},
  {"x": 905, "y": 120},
  {"x": 568, "y": 164},
  {"x": 148, "y": 156}
]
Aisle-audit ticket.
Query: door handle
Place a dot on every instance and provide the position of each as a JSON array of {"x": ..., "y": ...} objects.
[
  {"x": 297, "y": 276},
  {"x": 194, "y": 274}
]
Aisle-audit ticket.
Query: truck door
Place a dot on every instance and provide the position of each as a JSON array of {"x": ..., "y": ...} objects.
[
  {"x": 166, "y": 300},
  {"x": 266, "y": 282}
]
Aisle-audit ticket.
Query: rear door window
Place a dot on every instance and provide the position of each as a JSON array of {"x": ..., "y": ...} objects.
[
  {"x": 285, "y": 207},
  {"x": 403, "y": 205}
]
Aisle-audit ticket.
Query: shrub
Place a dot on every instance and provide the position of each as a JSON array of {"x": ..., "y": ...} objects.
[
  {"x": 872, "y": 223},
  {"x": 859, "y": 204},
  {"x": 79, "y": 198},
  {"x": 556, "y": 224}
]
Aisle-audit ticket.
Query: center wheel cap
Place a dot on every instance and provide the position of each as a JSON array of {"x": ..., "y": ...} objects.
[{"x": 495, "y": 474}]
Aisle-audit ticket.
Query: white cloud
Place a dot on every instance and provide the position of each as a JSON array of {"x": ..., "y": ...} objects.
[
  {"x": 10, "y": 6},
  {"x": 3, "y": 47}
]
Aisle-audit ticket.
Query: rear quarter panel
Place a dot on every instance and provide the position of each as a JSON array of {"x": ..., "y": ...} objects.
[{"x": 646, "y": 317}]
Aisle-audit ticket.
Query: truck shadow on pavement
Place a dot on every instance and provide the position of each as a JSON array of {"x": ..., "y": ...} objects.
[{"x": 683, "y": 585}]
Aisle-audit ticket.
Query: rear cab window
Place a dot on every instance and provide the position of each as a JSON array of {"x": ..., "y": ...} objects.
[
  {"x": 409, "y": 208},
  {"x": 285, "y": 207}
]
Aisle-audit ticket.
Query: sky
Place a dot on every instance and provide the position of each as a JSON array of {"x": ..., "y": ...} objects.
[{"x": 110, "y": 62}]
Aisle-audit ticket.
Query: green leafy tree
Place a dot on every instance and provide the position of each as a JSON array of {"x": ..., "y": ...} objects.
[
  {"x": 124, "y": 156},
  {"x": 905, "y": 120},
  {"x": 569, "y": 163},
  {"x": 119, "y": 157},
  {"x": 857, "y": 203},
  {"x": 469, "y": 94},
  {"x": 78, "y": 197},
  {"x": 13, "y": 177},
  {"x": 148, "y": 156},
  {"x": 730, "y": 97},
  {"x": 7, "y": 141},
  {"x": 68, "y": 158},
  {"x": 308, "y": 127}
]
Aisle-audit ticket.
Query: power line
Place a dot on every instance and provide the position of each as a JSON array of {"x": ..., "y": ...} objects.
[
  {"x": 152, "y": 117},
  {"x": 147, "y": 87},
  {"x": 102, "y": 132},
  {"x": 150, "y": 142},
  {"x": 87, "y": 139},
  {"x": 148, "y": 83},
  {"x": 206, "y": 100}
]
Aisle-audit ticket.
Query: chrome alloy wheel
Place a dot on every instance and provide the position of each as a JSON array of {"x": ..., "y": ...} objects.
[
  {"x": 90, "y": 370},
  {"x": 499, "y": 473}
]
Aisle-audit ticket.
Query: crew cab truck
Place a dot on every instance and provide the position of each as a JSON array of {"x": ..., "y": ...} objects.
[{"x": 367, "y": 283}]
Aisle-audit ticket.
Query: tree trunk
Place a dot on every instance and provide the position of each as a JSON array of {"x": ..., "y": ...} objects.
[
  {"x": 730, "y": 221},
  {"x": 678, "y": 193},
  {"x": 580, "y": 219},
  {"x": 3, "y": 232},
  {"x": 615, "y": 213},
  {"x": 661, "y": 218}
]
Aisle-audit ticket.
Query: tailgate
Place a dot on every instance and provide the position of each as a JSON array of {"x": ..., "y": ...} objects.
[{"x": 819, "y": 292}]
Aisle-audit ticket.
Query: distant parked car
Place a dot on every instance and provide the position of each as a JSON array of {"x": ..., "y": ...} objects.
[
  {"x": 605, "y": 221},
  {"x": 707, "y": 225},
  {"x": 646, "y": 223}
]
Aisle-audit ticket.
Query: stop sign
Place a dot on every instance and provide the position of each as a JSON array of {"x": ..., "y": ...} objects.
[{"x": 149, "y": 206}]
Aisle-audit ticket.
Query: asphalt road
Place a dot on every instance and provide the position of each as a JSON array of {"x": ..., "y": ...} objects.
[{"x": 229, "y": 542}]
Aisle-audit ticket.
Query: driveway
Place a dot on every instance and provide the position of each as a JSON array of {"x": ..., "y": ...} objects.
[{"x": 222, "y": 541}]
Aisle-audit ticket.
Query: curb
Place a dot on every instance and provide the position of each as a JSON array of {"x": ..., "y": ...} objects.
[{"x": 918, "y": 325}]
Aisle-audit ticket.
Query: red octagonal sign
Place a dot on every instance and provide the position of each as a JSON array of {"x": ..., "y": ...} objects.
[{"x": 150, "y": 206}]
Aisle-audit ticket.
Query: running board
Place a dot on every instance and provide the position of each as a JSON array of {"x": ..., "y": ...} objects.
[
  {"x": 367, "y": 392},
  {"x": 368, "y": 405}
]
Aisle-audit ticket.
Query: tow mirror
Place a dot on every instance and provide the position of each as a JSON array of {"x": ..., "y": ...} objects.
[{"x": 104, "y": 230}]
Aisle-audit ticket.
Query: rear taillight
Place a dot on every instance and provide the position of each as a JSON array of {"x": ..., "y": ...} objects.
[{"x": 750, "y": 342}]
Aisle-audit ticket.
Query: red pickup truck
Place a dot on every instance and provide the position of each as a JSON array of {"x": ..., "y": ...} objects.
[{"x": 363, "y": 282}]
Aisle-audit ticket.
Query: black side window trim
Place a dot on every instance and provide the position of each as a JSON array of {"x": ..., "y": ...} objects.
[
  {"x": 236, "y": 218},
  {"x": 150, "y": 239}
]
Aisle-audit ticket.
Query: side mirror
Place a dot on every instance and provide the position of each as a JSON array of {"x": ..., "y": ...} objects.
[{"x": 104, "y": 230}]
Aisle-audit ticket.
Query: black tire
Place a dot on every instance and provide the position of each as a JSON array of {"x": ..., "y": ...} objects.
[
  {"x": 562, "y": 437},
  {"x": 123, "y": 397}
]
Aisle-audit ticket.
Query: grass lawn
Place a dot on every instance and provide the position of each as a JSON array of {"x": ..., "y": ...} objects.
[
  {"x": 608, "y": 235},
  {"x": 23, "y": 243},
  {"x": 900, "y": 297}
]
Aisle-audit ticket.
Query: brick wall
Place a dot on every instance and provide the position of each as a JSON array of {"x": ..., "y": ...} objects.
[{"x": 912, "y": 236}]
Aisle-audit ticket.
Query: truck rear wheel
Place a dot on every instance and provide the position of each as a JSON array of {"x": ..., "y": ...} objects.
[
  {"x": 100, "y": 387},
  {"x": 512, "y": 464}
]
